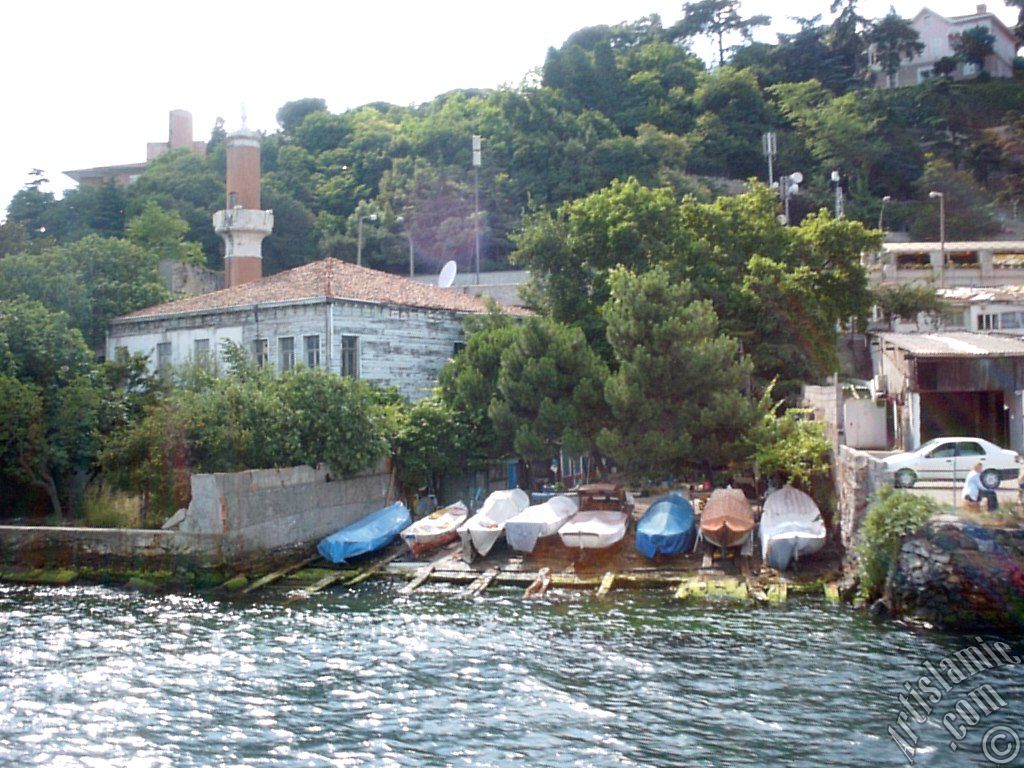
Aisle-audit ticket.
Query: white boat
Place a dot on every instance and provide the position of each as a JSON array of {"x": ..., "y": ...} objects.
[
  {"x": 481, "y": 532},
  {"x": 523, "y": 530},
  {"x": 791, "y": 528},
  {"x": 602, "y": 519},
  {"x": 594, "y": 529},
  {"x": 435, "y": 529}
]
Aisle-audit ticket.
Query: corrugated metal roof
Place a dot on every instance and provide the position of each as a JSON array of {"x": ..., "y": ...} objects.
[
  {"x": 323, "y": 280},
  {"x": 973, "y": 295},
  {"x": 956, "y": 344},
  {"x": 996, "y": 246}
]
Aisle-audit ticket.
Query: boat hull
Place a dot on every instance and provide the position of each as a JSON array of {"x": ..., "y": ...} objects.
[
  {"x": 668, "y": 527},
  {"x": 594, "y": 529},
  {"x": 791, "y": 528},
  {"x": 436, "y": 529},
  {"x": 524, "y": 530},
  {"x": 727, "y": 519},
  {"x": 483, "y": 530},
  {"x": 374, "y": 531}
]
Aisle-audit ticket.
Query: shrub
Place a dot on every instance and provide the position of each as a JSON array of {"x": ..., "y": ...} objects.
[{"x": 892, "y": 515}]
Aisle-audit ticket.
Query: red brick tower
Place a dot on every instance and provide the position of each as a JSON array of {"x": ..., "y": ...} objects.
[{"x": 242, "y": 224}]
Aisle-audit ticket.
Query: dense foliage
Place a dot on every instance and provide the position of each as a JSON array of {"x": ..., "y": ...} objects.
[{"x": 891, "y": 516}]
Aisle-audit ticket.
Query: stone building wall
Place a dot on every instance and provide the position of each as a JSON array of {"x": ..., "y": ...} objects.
[{"x": 858, "y": 476}]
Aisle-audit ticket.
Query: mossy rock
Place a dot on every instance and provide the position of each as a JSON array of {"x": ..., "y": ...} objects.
[
  {"x": 208, "y": 579},
  {"x": 42, "y": 575}
]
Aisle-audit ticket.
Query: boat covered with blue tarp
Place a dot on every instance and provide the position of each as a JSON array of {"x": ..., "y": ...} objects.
[
  {"x": 667, "y": 527},
  {"x": 367, "y": 535}
]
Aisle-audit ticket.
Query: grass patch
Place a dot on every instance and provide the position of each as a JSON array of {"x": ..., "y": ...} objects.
[{"x": 105, "y": 508}]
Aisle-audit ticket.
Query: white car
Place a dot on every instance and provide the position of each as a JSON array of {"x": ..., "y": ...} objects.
[{"x": 951, "y": 458}]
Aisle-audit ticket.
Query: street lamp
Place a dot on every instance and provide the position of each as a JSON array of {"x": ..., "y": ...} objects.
[
  {"x": 942, "y": 225},
  {"x": 881, "y": 212},
  {"x": 359, "y": 236},
  {"x": 412, "y": 257}
]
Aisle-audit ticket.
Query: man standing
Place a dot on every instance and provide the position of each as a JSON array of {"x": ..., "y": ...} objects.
[{"x": 974, "y": 491}]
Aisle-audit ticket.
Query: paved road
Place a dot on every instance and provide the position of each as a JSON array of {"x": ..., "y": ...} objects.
[{"x": 943, "y": 492}]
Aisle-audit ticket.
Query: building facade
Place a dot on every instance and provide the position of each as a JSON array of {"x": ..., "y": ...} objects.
[
  {"x": 937, "y": 33},
  {"x": 329, "y": 314}
]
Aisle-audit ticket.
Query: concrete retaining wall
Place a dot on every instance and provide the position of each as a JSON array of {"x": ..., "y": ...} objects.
[
  {"x": 858, "y": 476},
  {"x": 233, "y": 520},
  {"x": 113, "y": 549},
  {"x": 269, "y": 511}
]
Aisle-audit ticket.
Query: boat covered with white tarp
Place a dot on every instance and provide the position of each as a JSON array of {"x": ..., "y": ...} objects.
[
  {"x": 791, "y": 527},
  {"x": 483, "y": 530}
]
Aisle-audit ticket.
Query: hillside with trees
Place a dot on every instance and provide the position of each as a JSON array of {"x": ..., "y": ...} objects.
[{"x": 617, "y": 174}]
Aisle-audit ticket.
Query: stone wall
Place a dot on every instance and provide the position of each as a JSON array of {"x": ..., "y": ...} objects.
[
  {"x": 268, "y": 512},
  {"x": 858, "y": 476},
  {"x": 960, "y": 575},
  {"x": 233, "y": 520}
]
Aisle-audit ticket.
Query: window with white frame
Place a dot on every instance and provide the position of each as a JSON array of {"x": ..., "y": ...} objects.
[
  {"x": 988, "y": 322},
  {"x": 350, "y": 356},
  {"x": 311, "y": 351},
  {"x": 285, "y": 353}
]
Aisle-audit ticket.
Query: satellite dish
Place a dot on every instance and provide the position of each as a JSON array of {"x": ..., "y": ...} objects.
[
  {"x": 797, "y": 177},
  {"x": 447, "y": 276}
]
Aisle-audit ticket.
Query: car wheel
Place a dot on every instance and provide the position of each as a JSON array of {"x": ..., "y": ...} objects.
[
  {"x": 905, "y": 478},
  {"x": 990, "y": 479}
]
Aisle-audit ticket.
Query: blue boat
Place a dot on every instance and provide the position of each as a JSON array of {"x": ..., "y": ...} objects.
[
  {"x": 667, "y": 527},
  {"x": 369, "y": 534}
]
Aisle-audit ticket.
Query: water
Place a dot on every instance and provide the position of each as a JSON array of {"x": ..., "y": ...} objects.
[{"x": 91, "y": 676}]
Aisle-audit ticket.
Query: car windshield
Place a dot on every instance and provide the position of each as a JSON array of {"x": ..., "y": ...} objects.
[{"x": 929, "y": 445}]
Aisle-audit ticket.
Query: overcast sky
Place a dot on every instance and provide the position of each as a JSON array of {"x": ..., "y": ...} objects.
[{"x": 89, "y": 83}]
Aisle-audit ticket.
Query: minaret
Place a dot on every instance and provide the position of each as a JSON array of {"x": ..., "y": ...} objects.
[{"x": 243, "y": 225}]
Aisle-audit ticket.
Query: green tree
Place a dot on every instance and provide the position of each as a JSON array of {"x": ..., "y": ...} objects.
[
  {"x": 716, "y": 19},
  {"x": 431, "y": 442},
  {"x": 677, "y": 396},
  {"x": 51, "y": 402},
  {"x": 469, "y": 381},
  {"x": 891, "y": 515},
  {"x": 94, "y": 280},
  {"x": 973, "y": 45},
  {"x": 966, "y": 204},
  {"x": 550, "y": 387},
  {"x": 894, "y": 40},
  {"x": 906, "y": 301},
  {"x": 788, "y": 447},
  {"x": 162, "y": 233},
  {"x": 291, "y": 115}
]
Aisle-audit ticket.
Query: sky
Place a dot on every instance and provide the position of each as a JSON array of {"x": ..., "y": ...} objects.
[{"x": 90, "y": 83}]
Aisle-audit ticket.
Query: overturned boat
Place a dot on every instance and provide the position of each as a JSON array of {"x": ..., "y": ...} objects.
[
  {"x": 538, "y": 521},
  {"x": 727, "y": 519},
  {"x": 482, "y": 531},
  {"x": 435, "y": 529},
  {"x": 791, "y": 527},
  {"x": 374, "y": 531},
  {"x": 668, "y": 527}
]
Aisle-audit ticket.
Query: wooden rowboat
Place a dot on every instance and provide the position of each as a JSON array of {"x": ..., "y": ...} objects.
[
  {"x": 602, "y": 519},
  {"x": 727, "y": 519},
  {"x": 436, "y": 529}
]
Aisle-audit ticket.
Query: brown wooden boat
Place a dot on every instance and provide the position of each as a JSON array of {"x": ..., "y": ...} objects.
[{"x": 727, "y": 519}]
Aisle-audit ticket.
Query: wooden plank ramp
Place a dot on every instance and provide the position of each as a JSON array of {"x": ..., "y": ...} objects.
[
  {"x": 606, "y": 584},
  {"x": 482, "y": 582},
  {"x": 279, "y": 574},
  {"x": 373, "y": 569},
  {"x": 421, "y": 576}
]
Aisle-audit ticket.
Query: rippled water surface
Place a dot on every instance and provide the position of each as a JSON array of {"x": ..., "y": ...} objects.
[{"x": 93, "y": 676}]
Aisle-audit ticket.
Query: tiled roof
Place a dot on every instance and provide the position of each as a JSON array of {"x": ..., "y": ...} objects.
[
  {"x": 325, "y": 279},
  {"x": 955, "y": 344}
]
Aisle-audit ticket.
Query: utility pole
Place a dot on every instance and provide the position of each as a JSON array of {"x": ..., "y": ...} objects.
[
  {"x": 476, "y": 202},
  {"x": 839, "y": 194},
  {"x": 769, "y": 148}
]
